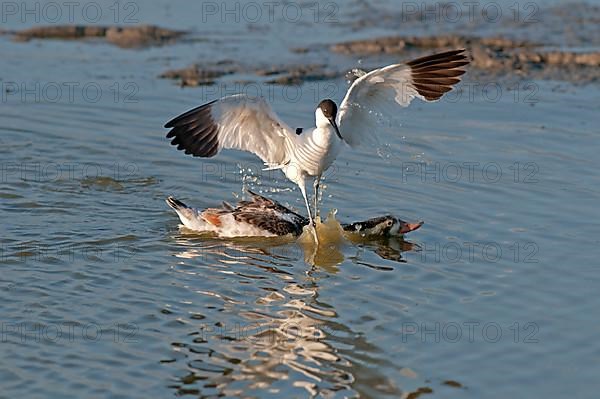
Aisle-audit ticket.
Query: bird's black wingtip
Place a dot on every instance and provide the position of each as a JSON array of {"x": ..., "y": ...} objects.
[
  {"x": 195, "y": 131},
  {"x": 176, "y": 121},
  {"x": 172, "y": 122}
]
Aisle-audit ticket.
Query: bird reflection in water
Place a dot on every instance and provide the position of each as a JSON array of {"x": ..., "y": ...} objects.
[{"x": 289, "y": 340}]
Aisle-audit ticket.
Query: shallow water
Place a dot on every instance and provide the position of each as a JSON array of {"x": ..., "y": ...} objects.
[{"x": 103, "y": 296}]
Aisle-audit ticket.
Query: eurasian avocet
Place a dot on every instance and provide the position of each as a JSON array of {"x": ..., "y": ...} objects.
[{"x": 249, "y": 124}]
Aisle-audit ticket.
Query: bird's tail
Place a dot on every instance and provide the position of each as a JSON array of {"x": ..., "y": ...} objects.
[
  {"x": 187, "y": 215},
  {"x": 176, "y": 204}
]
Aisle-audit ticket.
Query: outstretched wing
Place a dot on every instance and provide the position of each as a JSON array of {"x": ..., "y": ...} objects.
[
  {"x": 378, "y": 92},
  {"x": 237, "y": 122}
]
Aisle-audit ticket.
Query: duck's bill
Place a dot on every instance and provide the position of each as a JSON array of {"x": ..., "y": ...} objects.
[{"x": 408, "y": 227}]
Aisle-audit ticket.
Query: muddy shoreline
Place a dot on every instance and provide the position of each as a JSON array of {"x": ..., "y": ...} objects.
[
  {"x": 491, "y": 56},
  {"x": 121, "y": 36}
]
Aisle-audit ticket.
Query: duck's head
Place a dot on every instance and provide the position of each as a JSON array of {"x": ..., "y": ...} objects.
[{"x": 383, "y": 226}]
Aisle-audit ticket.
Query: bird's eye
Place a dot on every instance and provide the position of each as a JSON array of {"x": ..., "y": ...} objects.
[{"x": 389, "y": 222}]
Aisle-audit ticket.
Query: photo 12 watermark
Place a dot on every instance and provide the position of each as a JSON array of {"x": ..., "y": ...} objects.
[
  {"x": 309, "y": 91},
  {"x": 67, "y": 332},
  {"x": 69, "y": 12},
  {"x": 47, "y": 172},
  {"x": 240, "y": 172},
  {"x": 469, "y": 332},
  {"x": 470, "y": 172},
  {"x": 517, "y": 92},
  {"x": 454, "y": 252},
  {"x": 253, "y": 12},
  {"x": 69, "y": 92},
  {"x": 273, "y": 333},
  {"x": 30, "y": 252},
  {"x": 452, "y": 12}
]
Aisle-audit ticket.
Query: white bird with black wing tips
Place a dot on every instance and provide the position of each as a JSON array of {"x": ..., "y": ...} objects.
[{"x": 249, "y": 124}]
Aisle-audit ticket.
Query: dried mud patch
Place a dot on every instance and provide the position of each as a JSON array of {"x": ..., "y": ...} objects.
[{"x": 122, "y": 36}]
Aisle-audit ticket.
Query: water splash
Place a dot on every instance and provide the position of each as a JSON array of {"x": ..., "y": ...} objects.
[{"x": 328, "y": 251}]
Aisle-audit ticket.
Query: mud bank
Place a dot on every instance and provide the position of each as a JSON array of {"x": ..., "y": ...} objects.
[
  {"x": 492, "y": 55},
  {"x": 198, "y": 75},
  {"x": 125, "y": 37},
  {"x": 206, "y": 74}
]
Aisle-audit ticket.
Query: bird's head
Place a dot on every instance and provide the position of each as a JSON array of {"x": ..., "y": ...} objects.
[
  {"x": 385, "y": 226},
  {"x": 325, "y": 115}
]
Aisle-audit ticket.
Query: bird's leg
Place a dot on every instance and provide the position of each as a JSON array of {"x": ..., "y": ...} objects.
[
  {"x": 312, "y": 221},
  {"x": 316, "y": 186},
  {"x": 303, "y": 191}
]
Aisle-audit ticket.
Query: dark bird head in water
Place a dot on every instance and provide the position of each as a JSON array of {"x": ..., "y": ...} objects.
[{"x": 382, "y": 226}]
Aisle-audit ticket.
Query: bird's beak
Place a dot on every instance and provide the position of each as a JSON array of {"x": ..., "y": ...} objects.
[
  {"x": 408, "y": 227},
  {"x": 335, "y": 126}
]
